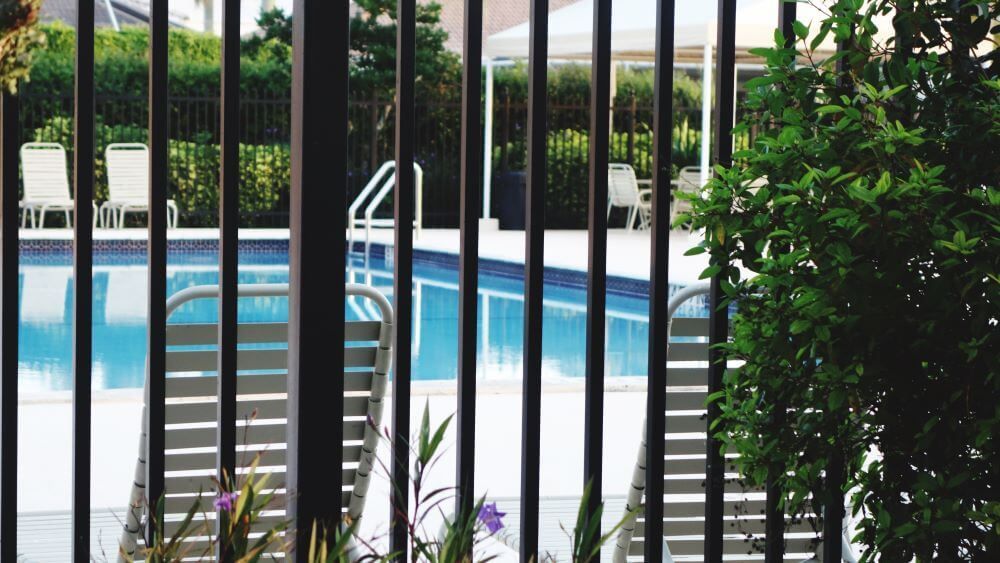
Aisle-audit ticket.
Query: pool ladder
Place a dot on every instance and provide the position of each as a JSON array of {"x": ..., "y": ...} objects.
[{"x": 381, "y": 184}]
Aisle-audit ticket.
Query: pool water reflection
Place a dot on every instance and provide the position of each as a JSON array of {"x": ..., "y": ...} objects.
[{"x": 120, "y": 316}]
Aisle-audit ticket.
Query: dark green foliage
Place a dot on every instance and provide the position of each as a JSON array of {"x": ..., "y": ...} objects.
[
  {"x": 19, "y": 38},
  {"x": 866, "y": 217},
  {"x": 194, "y": 168},
  {"x": 373, "y": 39}
]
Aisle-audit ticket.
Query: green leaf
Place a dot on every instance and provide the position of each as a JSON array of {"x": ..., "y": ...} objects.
[{"x": 800, "y": 29}]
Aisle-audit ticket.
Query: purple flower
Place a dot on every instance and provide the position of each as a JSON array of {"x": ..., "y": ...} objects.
[
  {"x": 491, "y": 517},
  {"x": 225, "y": 501}
]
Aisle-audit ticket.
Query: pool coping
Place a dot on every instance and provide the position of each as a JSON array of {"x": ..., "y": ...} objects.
[{"x": 132, "y": 242}]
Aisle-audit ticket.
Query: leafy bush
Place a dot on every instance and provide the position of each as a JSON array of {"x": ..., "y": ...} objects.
[
  {"x": 867, "y": 219},
  {"x": 18, "y": 38},
  {"x": 265, "y": 170}
]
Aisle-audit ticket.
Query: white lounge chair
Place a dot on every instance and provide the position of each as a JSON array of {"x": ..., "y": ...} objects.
[
  {"x": 624, "y": 191},
  {"x": 262, "y": 361},
  {"x": 688, "y": 182},
  {"x": 684, "y": 466},
  {"x": 128, "y": 185},
  {"x": 46, "y": 183}
]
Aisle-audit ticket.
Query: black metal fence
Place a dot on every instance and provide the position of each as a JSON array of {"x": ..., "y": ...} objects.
[
  {"x": 321, "y": 156},
  {"x": 265, "y": 163}
]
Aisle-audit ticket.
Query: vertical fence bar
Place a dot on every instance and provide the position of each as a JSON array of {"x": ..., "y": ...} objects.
[
  {"x": 718, "y": 313},
  {"x": 597, "y": 254},
  {"x": 403, "y": 278},
  {"x": 229, "y": 217},
  {"x": 534, "y": 249},
  {"x": 468, "y": 283},
  {"x": 659, "y": 270},
  {"x": 318, "y": 222},
  {"x": 83, "y": 234},
  {"x": 156, "y": 324},
  {"x": 774, "y": 515},
  {"x": 9, "y": 262},
  {"x": 833, "y": 504}
]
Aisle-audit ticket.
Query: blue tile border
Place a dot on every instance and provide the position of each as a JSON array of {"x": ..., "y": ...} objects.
[
  {"x": 626, "y": 287},
  {"x": 133, "y": 251}
]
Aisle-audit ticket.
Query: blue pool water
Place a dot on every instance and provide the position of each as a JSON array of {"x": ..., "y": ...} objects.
[{"x": 120, "y": 310}]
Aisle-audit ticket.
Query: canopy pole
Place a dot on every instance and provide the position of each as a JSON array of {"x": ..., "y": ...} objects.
[
  {"x": 488, "y": 140},
  {"x": 706, "y": 111}
]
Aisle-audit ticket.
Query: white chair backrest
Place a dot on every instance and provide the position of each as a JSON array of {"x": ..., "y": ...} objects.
[
  {"x": 128, "y": 172},
  {"x": 622, "y": 186},
  {"x": 46, "y": 178},
  {"x": 262, "y": 364},
  {"x": 684, "y": 461},
  {"x": 689, "y": 179}
]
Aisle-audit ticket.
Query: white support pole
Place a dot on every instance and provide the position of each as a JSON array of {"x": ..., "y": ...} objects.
[
  {"x": 706, "y": 111},
  {"x": 488, "y": 141}
]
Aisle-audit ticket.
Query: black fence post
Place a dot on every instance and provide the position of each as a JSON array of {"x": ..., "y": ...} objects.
[
  {"x": 659, "y": 270},
  {"x": 9, "y": 262},
  {"x": 468, "y": 282},
  {"x": 403, "y": 274},
  {"x": 229, "y": 217},
  {"x": 156, "y": 258},
  {"x": 633, "y": 116},
  {"x": 319, "y": 144},
  {"x": 718, "y": 313},
  {"x": 597, "y": 256},
  {"x": 83, "y": 195},
  {"x": 534, "y": 242}
]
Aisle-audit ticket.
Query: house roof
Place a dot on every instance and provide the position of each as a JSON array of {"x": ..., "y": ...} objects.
[
  {"x": 499, "y": 15},
  {"x": 65, "y": 11},
  {"x": 127, "y": 12}
]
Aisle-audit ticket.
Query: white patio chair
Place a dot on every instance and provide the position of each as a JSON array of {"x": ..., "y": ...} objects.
[
  {"x": 46, "y": 183},
  {"x": 262, "y": 359},
  {"x": 688, "y": 182},
  {"x": 684, "y": 466},
  {"x": 623, "y": 191},
  {"x": 128, "y": 185}
]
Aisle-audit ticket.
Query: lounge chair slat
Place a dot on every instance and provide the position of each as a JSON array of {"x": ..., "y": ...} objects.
[
  {"x": 267, "y": 359},
  {"x": 180, "y": 504},
  {"x": 752, "y": 524},
  {"x": 732, "y": 545},
  {"x": 696, "y": 485},
  {"x": 263, "y": 434},
  {"x": 688, "y": 351},
  {"x": 192, "y": 413},
  {"x": 689, "y": 326},
  {"x": 686, "y": 377},
  {"x": 270, "y": 455},
  {"x": 255, "y": 383},
  {"x": 676, "y": 423},
  {"x": 264, "y": 523},
  {"x": 686, "y": 400},
  {"x": 203, "y": 483},
  {"x": 250, "y": 333}
]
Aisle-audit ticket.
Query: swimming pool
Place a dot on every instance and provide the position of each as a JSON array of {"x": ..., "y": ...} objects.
[{"x": 45, "y": 345}]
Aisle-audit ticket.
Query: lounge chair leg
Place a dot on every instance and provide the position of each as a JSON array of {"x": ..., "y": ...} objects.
[
  {"x": 41, "y": 216},
  {"x": 66, "y": 212},
  {"x": 24, "y": 218}
]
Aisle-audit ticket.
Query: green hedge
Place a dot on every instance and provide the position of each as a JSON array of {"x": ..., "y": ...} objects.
[
  {"x": 265, "y": 170},
  {"x": 121, "y": 67}
]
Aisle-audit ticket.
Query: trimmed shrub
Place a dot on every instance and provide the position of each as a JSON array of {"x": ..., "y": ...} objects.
[{"x": 265, "y": 170}]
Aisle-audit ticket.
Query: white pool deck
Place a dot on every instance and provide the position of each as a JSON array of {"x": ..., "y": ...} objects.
[
  {"x": 628, "y": 251},
  {"x": 45, "y": 445}
]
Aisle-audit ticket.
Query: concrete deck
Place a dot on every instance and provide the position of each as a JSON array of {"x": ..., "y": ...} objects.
[{"x": 45, "y": 459}]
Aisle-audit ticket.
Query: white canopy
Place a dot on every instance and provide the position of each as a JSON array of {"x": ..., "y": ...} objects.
[{"x": 633, "y": 29}]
